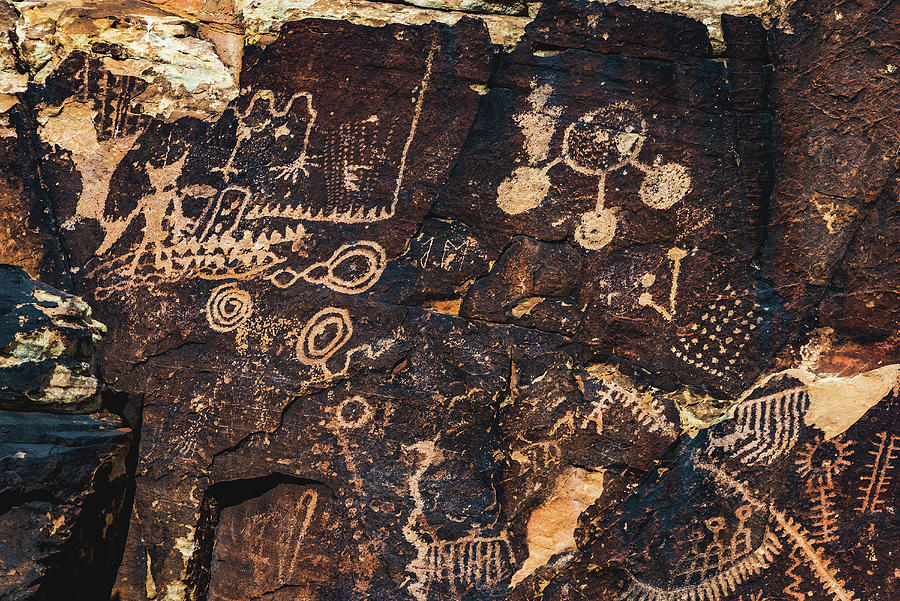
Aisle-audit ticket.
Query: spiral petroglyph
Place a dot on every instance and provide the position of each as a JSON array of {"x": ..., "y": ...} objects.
[{"x": 228, "y": 307}]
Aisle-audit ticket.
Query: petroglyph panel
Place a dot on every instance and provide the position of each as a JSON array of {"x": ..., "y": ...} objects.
[{"x": 415, "y": 317}]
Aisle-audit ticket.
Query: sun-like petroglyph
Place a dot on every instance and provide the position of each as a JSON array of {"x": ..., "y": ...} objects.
[
  {"x": 473, "y": 561},
  {"x": 765, "y": 428},
  {"x": 876, "y": 482},
  {"x": 353, "y": 268},
  {"x": 228, "y": 307},
  {"x": 596, "y": 144},
  {"x": 354, "y": 412},
  {"x": 715, "y": 341}
]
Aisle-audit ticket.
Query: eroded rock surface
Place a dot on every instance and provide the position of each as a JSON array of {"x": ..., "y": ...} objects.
[{"x": 471, "y": 309}]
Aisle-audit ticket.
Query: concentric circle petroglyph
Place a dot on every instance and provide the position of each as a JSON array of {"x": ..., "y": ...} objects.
[
  {"x": 228, "y": 307},
  {"x": 323, "y": 335},
  {"x": 354, "y": 412},
  {"x": 353, "y": 268}
]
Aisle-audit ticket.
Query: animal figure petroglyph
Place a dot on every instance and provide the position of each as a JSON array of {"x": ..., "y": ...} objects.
[
  {"x": 819, "y": 462},
  {"x": 596, "y": 144},
  {"x": 241, "y": 235},
  {"x": 471, "y": 561}
]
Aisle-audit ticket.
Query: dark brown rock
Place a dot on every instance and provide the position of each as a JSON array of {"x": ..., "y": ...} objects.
[
  {"x": 62, "y": 504},
  {"x": 416, "y": 317},
  {"x": 48, "y": 341}
]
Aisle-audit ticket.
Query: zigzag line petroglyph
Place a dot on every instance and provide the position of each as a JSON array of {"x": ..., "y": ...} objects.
[
  {"x": 799, "y": 538},
  {"x": 882, "y": 464},
  {"x": 714, "y": 588},
  {"x": 793, "y": 589},
  {"x": 766, "y": 427},
  {"x": 245, "y": 131}
]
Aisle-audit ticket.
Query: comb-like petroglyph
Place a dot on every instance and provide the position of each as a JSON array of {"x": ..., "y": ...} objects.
[{"x": 398, "y": 313}]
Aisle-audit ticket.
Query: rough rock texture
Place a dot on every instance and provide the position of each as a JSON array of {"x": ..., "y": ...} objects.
[
  {"x": 453, "y": 309},
  {"x": 62, "y": 494},
  {"x": 48, "y": 342}
]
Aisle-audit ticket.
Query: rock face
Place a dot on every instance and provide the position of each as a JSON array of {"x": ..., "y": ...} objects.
[
  {"x": 48, "y": 342},
  {"x": 423, "y": 309},
  {"x": 62, "y": 493}
]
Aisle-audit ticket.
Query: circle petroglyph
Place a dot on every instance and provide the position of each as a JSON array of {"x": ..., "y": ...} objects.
[
  {"x": 604, "y": 140},
  {"x": 354, "y": 412},
  {"x": 523, "y": 190},
  {"x": 323, "y": 335},
  {"x": 665, "y": 185},
  {"x": 597, "y": 229},
  {"x": 228, "y": 307}
]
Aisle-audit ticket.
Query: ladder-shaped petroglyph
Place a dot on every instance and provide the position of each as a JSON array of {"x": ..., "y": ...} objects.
[
  {"x": 876, "y": 482},
  {"x": 798, "y": 537},
  {"x": 715, "y": 342},
  {"x": 764, "y": 428},
  {"x": 596, "y": 144},
  {"x": 537, "y": 456},
  {"x": 713, "y": 588},
  {"x": 819, "y": 462},
  {"x": 647, "y": 410},
  {"x": 472, "y": 561}
]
